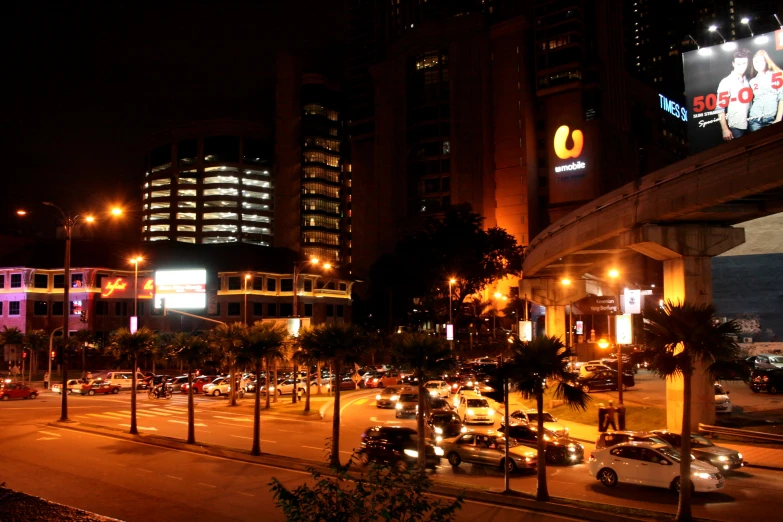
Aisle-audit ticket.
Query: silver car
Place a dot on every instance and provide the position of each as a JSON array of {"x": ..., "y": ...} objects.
[
  {"x": 407, "y": 404},
  {"x": 488, "y": 449}
]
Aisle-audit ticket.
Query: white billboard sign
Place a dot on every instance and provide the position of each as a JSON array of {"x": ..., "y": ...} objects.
[
  {"x": 182, "y": 289},
  {"x": 624, "y": 330},
  {"x": 632, "y": 301},
  {"x": 525, "y": 331}
]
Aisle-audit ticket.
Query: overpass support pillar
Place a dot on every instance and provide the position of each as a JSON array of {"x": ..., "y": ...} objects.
[
  {"x": 556, "y": 322},
  {"x": 686, "y": 252}
]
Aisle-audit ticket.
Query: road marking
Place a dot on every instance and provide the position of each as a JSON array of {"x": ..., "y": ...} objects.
[
  {"x": 241, "y": 437},
  {"x": 144, "y": 470},
  {"x": 138, "y": 413},
  {"x": 360, "y": 401},
  {"x": 185, "y": 422},
  {"x": 49, "y": 433},
  {"x": 47, "y": 438},
  {"x": 177, "y": 410},
  {"x": 113, "y": 417},
  {"x": 138, "y": 427},
  {"x": 158, "y": 413},
  {"x": 234, "y": 425},
  {"x": 172, "y": 476},
  {"x": 246, "y": 494},
  {"x": 313, "y": 447},
  {"x": 234, "y": 418},
  {"x": 207, "y": 485}
]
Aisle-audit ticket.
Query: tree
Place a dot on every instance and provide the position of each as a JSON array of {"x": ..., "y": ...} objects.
[
  {"x": 264, "y": 339},
  {"x": 192, "y": 350},
  {"x": 682, "y": 336},
  {"x": 531, "y": 365},
  {"x": 425, "y": 355},
  {"x": 38, "y": 342},
  {"x": 127, "y": 347},
  {"x": 394, "y": 495},
  {"x": 78, "y": 343},
  {"x": 11, "y": 336},
  {"x": 227, "y": 340},
  {"x": 342, "y": 344}
]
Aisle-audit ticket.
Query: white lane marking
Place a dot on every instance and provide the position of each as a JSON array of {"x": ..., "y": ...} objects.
[
  {"x": 138, "y": 427},
  {"x": 159, "y": 413},
  {"x": 172, "y": 476},
  {"x": 233, "y": 419},
  {"x": 312, "y": 447},
  {"x": 176, "y": 410},
  {"x": 241, "y": 437},
  {"x": 112, "y": 417},
  {"x": 207, "y": 485},
  {"x": 49, "y": 433},
  {"x": 47, "y": 438},
  {"x": 144, "y": 470},
  {"x": 234, "y": 425},
  {"x": 138, "y": 413},
  {"x": 185, "y": 422},
  {"x": 246, "y": 494}
]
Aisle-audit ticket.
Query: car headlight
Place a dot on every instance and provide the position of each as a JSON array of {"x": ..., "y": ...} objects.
[
  {"x": 438, "y": 430},
  {"x": 723, "y": 458},
  {"x": 434, "y": 392},
  {"x": 438, "y": 440},
  {"x": 491, "y": 412},
  {"x": 394, "y": 397},
  {"x": 412, "y": 453},
  {"x": 399, "y": 406},
  {"x": 698, "y": 475},
  {"x": 571, "y": 447},
  {"x": 439, "y": 451},
  {"x": 378, "y": 397},
  {"x": 739, "y": 456},
  {"x": 463, "y": 429},
  {"x": 471, "y": 412}
]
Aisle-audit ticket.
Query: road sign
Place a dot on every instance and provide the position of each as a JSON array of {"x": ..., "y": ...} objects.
[{"x": 356, "y": 377}]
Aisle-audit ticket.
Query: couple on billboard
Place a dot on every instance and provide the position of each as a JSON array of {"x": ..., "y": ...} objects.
[{"x": 749, "y": 103}]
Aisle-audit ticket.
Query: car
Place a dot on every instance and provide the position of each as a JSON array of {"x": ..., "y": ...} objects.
[
  {"x": 382, "y": 380},
  {"x": 207, "y": 388},
  {"x": 473, "y": 408},
  {"x": 444, "y": 424},
  {"x": 704, "y": 450},
  {"x": 16, "y": 390},
  {"x": 613, "y": 438},
  {"x": 722, "y": 401},
  {"x": 177, "y": 382},
  {"x": 96, "y": 386},
  {"x": 765, "y": 360},
  {"x": 438, "y": 388},
  {"x": 604, "y": 380},
  {"x": 592, "y": 367},
  {"x": 387, "y": 398},
  {"x": 531, "y": 417},
  {"x": 286, "y": 387},
  {"x": 57, "y": 386},
  {"x": 396, "y": 446},
  {"x": 560, "y": 450},
  {"x": 198, "y": 383},
  {"x": 407, "y": 404},
  {"x": 221, "y": 386},
  {"x": 125, "y": 379},
  {"x": 649, "y": 464},
  {"x": 436, "y": 403},
  {"x": 488, "y": 449},
  {"x": 770, "y": 381}
]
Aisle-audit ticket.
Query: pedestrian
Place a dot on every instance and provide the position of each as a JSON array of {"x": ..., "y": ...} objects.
[
  {"x": 610, "y": 415},
  {"x": 89, "y": 375},
  {"x": 46, "y": 381},
  {"x": 14, "y": 371}
]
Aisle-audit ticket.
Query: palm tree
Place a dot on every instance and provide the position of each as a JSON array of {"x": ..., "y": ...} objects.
[
  {"x": 682, "y": 336},
  {"x": 532, "y": 364},
  {"x": 191, "y": 350},
  {"x": 11, "y": 336},
  {"x": 306, "y": 359},
  {"x": 128, "y": 347},
  {"x": 426, "y": 356},
  {"x": 78, "y": 342},
  {"x": 227, "y": 340},
  {"x": 341, "y": 344},
  {"x": 38, "y": 341},
  {"x": 264, "y": 340}
]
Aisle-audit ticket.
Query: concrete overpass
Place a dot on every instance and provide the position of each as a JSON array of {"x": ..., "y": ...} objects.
[{"x": 681, "y": 215}]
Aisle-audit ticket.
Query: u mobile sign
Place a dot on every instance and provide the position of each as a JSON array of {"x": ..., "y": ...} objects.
[{"x": 563, "y": 152}]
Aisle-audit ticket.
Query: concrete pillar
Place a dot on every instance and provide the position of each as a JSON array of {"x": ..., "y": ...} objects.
[
  {"x": 556, "y": 322},
  {"x": 686, "y": 252}
]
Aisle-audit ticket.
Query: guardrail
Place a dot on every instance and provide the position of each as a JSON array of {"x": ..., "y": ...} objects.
[{"x": 735, "y": 432}]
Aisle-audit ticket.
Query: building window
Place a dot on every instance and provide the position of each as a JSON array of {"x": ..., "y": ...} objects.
[
  {"x": 40, "y": 308},
  {"x": 308, "y": 310},
  {"x": 219, "y": 204},
  {"x": 101, "y": 308},
  {"x": 220, "y": 215},
  {"x": 121, "y": 308},
  {"x": 57, "y": 307},
  {"x": 186, "y": 192},
  {"x": 141, "y": 309},
  {"x": 221, "y": 192},
  {"x": 271, "y": 284},
  {"x": 329, "y": 310},
  {"x": 1, "y": 308},
  {"x": 271, "y": 310},
  {"x": 16, "y": 280},
  {"x": 287, "y": 285},
  {"x": 183, "y": 239},
  {"x": 186, "y": 204},
  {"x": 343, "y": 287},
  {"x": 160, "y": 182},
  {"x": 13, "y": 308},
  {"x": 234, "y": 309},
  {"x": 2, "y": 281},
  {"x": 340, "y": 310},
  {"x": 76, "y": 307},
  {"x": 160, "y": 228},
  {"x": 160, "y": 193},
  {"x": 231, "y": 180},
  {"x": 77, "y": 280},
  {"x": 258, "y": 309},
  {"x": 286, "y": 309},
  {"x": 186, "y": 215},
  {"x": 99, "y": 279},
  {"x": 59, "y": 281},
  {"x": 186, "y": 228},
  {"x": 308, "y": 285},
  {"x": 41, "y": 281},
  {"x": 258, "y": 283},
  {"x": 234, "y": 283}
]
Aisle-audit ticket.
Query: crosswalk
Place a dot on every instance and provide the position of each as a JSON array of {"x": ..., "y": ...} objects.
[{"x": 174, "y": 407}]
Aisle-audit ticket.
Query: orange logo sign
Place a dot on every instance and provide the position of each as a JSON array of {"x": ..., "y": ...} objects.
[
  {"x": 117, "y": 285},
  {"x": 560, "y": 143}
]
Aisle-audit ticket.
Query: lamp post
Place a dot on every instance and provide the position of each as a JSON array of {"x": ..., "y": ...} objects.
[
  {"x": 247, "y": 278},
  {"x": 569, "y": 340},
  {"x": 136, "y": 260},
  {"x": 451, "y": 342},
  {"x": 614, "y": 274},
  {"x": 714, "y": 29},
  {"x": 297, "y": 270}
]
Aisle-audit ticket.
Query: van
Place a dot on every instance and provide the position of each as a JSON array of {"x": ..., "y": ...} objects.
[{"x": 124, "y": 378}]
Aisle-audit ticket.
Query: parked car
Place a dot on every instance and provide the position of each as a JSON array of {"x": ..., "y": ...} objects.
[
  {"x": 96, "y": 386},
  {"x": 438, "y": 388},
  {"x": 286, "y": 387},
  {"x": 177, "y": 382},
  {"x": 17, "y": 390},
  {"x": 473, "y": 408},
  {"x": 531, "y": 417},
  {"x": 387, "y": 398},
  {"x": 705, "y": 451},
  {"x": 649, "y": 464},
  {"x": 488, "y": 449},
  {"x": 436, "y": 403},
  {"x": 198, "y": 383},
  {"x": 765, "y": 360},
  {"x": 613, "y": 438},
  {"x": 722, "y": 401},
  {"x": 57, "y": 386},
  {"x": 560, "y": 450},
  {"x": 207, "y": 388},
  {"x": 382, "y": 380},
  {"x": 396, "y": 446},
  {"x": 770, "y": 381},
  {"x": 591, "y": 367},
  {"x": 604, "y": 380},
  {"x": 125, "y": 379},
  {"x": 444, "y": 424},
  {"x": 407, "y": 404}
]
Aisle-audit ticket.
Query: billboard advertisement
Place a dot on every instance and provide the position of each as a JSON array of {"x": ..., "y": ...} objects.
[
  {"x": 182, "y": 289},
  {"x": 733, "y": 89},
  {"x": 122, "y": 288}
]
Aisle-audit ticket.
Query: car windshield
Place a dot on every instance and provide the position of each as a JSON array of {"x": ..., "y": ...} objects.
[
  {"x": 477, "y": 403},
  {"x": 438, "y": 404},
  {"x": 671, "y": 453},
  {"x": 444, "y": 418},
  {"x": 697, "y": 441},
  {"x": 775, "y": 360},
  {"x": 408, "y": 397},
  {"x": 547, "y": 417},
  {"x": 390, "y": 391},
  {"x": 432, "y": 385}
]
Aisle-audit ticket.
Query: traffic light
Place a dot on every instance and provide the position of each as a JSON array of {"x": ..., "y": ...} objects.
[
  {"x": 54, "y": 354},
  {"x": 24, "y": 354},
  {"x": 83, "y": 317}
]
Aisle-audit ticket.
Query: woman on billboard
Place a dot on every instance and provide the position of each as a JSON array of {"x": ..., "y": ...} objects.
[{"x": 766, "y": 80}]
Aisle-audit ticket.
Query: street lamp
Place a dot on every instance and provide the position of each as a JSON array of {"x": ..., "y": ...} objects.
[
  {"x": 135, "y": 260},
  {"x": 297, "y": 269},
  {"x": 451, "y": 342},
  {"x": 746, "y": 21},
  {"x": 714, "y": 29},
  {"x": 247, "y": 278},
  {"x": 614, "y": 274}
]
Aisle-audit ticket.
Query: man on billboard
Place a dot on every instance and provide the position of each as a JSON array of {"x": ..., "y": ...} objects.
[
  {"x": 765, "y": 80},
  {"x": 734, "y": 109}
]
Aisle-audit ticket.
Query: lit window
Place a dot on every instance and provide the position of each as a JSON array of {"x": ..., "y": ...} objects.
[
  {"x": 160, "y": 182},
  {"x": 159, "y": 228},
  {"x": 220, "y": 215},
  {"x": 186, "y": 192},
  {"x": 219, "y": 239},
  {"x": 159, "y": 238},
  {"x": 255, "y": 230},
  {"x": 160, "y": 193},
  {"x": 252, "y": 194},
  {"x": 219, "y": 204},
  {"x": 219, "y": 228},
  {"x": 254, "y": 206},
  {"x": 188, "y": 181},
  {"x": 155, "y": 217},
  {"x": 186, "y": 204},
  {"x": 221, "y": 169},
  {"x": 184, "y": 239},
  {"x": 232, "y": 180},
  {"x": 186, "y": 228},
  {"x": 253, "y": 217},
  {"x": 221, "y": 192},
  {"x": 160, "y": 204},
  {"x": 186, "y": 215},
  {"x": 256, "y": 182}
]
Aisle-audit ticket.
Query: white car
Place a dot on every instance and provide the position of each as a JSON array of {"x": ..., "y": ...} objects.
[
  {"x": 474, "y": 409},
  {"x": 590, "y": 367},
  {"x": 722, "y": 401},
  {"x": 649, "y": 464},
  {"x": 438, "y": 388},
  {"x": 219, "y": 386},
  {"x": 286, "y": 387},
  {"x": 531, "y": 417},
  {"x": 72, "y": 383}
]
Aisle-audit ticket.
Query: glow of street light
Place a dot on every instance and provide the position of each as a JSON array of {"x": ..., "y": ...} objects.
[
  {"x": 713, "y": 28},
  {"x": 614, "y": 274},
  {"x": 89, "y": 219},
  {"x": 21, "y": 212},
  {"x": 314, "y": 260},
  {"x": 498, "y": 295},
  {"x": 745, "y": 20},
  {"x": 565, "y": 282},
  {"x": 136, "y": 259},
  {"x": 327, "y": 265},
  {"x": 116, "y": 211},
  {"x": 247, "y": 276},
  {"x": 603, "y": 343},
  {"x": 452, "y": 280}
]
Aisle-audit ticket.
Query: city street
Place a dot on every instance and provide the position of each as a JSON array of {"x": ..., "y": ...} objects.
[{"x": 65, "y": 452}]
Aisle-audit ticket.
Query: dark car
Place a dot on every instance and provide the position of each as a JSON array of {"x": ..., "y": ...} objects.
[
  {"x": 722, "y": 458},
  {"x": 444, "y": 424},
  {"x": 604, "y": 380},
  {"x": 396, "y": 446},
  {"x": 561, "y": 450},
  {"x": 770, "y": 381}
]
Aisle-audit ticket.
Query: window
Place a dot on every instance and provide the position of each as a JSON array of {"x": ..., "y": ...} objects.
[
  {"x": 40, "y": 308},
  {"x": 57, "y": 307},
  {"x": 160, "y": 193},
  {"x": 271, "y": 284},
  {"x": 340, "y": 310},
  {"x": 186, "y": 204},
  {"x": 221, "y": 192},
  {"x": 233, "y": 180},
  {"x": 160, "y": 182},
  {"x": 77, "y": 280},
  {"x": 121, "y": 308},
  {"x": 185, "y": 239},
  {"x": 41, "y": 281},
  {"x": 155, "y": 217},
  {"x": 16, "y": 280},
  {"x": 253, "y": 217},
  {"x": 308, "y": 310},
  {"x": 271, "y": 310},
  {"x": 13, "y": 307},
  {"x": 186, "y": 192},
  {"x": 186, "y": 228},
  {"x": 308, "y": 285},
  {"x": 141, "y": 308},
  {"x": 1, "y": 308},
  {"x": 101, "y": 307},
  {"x": 186, "y": 215},
  {"x": 258, "y": 284},
  {"x": 99, "y": 279},
  {"x": 234, "y": 309},
  {"x": 254, "y": 194},
  {"x": 2, "y": 281},
  {"x": 287, "y": 285},
  {"x": 256, "y": 183},
  {"x": 219, "y": 204},
  {"x": 343, "y": 287},
  {"x": 258, "y": 309},
  {"x": 187, "y": 181},
  {"x": 255, "y": 230},
  {"x": 160, "y": 228},
  {"x": 234, "y": 283},
  {"x": 254, "y": 206},
  {"x": 286, "y": 309},
  {"x": 329, "y": 310},
  {"x": 220, "y": 215},
  {"x": 219, "y": 228}
]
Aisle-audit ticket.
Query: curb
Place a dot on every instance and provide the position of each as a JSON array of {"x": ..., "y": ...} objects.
[{"x": 582, "y": 510}]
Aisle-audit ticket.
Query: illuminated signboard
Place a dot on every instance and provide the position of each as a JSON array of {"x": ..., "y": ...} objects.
[
  {"x": 122, "y": 288},
  {"x": 624, "y": 329},
  {"x": 182, "y": 289},
  {"x": 673, "y": 108},
  {"x": 733, "y": 89},
  {"x": 563, "y": 152}
]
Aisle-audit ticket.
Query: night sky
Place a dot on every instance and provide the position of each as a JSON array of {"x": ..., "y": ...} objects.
[{"x": 86, "y": 82}]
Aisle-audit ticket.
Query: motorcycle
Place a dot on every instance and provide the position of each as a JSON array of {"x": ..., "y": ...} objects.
[{"x": 158, "y": 392}]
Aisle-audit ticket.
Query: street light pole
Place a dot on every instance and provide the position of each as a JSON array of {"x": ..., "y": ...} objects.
[
  {"x": 247, "y": 278},
  {"x": 614, "y": 274},
  {"x": 451, "y": 342}
]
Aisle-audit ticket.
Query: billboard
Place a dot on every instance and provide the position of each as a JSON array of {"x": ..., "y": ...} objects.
[
  {"x": 182, "y": 289},
  {"x": 122, "y": 288},
  {"x": 733, "y": 89}
]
